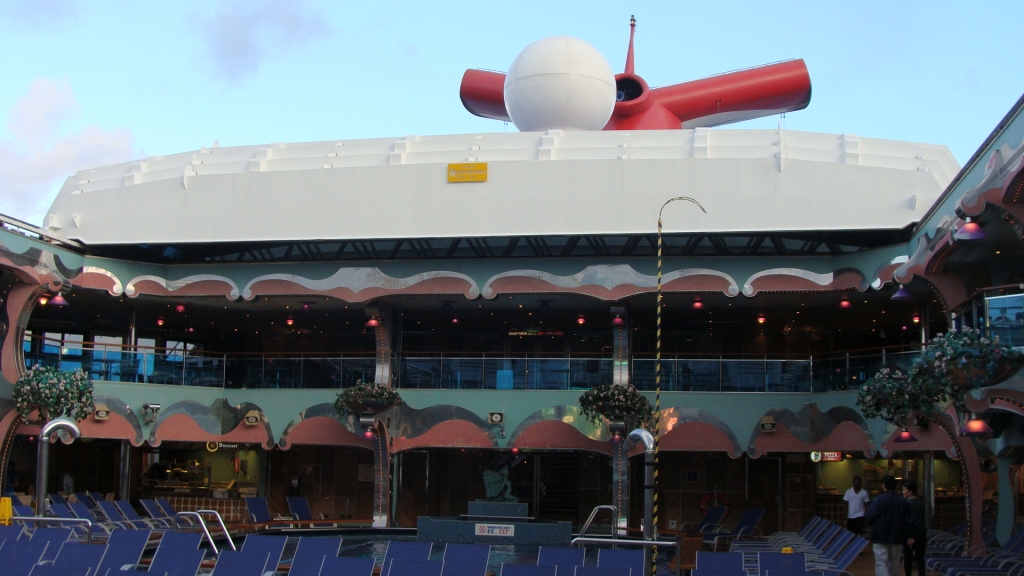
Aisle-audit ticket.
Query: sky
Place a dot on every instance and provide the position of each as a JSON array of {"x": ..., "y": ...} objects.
[{"x": 87, "y": 84}]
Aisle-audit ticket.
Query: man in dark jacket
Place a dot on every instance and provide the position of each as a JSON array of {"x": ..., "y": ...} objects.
[
  {"x": 917, "y": 539},
  {"x": 891, "y": 524}
]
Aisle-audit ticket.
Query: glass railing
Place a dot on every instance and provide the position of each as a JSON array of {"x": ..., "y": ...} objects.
[
  {"x": 504, "y": 373},
  {"x": 678, "y": 374},
  {"x": 767, "y": 375}
]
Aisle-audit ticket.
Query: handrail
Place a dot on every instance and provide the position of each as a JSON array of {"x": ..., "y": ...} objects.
[
  {"x": 593, "y": 514},
  {"x": 222, "y": 526},
  {"x": 202, "y": 523},
  {"x": 644, "y": 543},
  {"x": 37, "y": 519}
]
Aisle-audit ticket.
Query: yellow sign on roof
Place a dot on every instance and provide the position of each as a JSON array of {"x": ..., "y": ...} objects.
[{"x": 468, "y": 172}]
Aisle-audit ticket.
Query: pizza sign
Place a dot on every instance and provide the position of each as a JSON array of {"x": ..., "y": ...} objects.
[{"x": 826, "y": 456}]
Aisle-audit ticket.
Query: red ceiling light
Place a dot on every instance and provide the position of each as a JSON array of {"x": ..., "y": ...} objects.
[
  {"x": 515, "y": 450},
  {"x": 976, "y": 427},
  {"x": 290, "y": 321},
  {"x": 618, "y": 322},
  {"x": 58, "y": 300},
  {"x": 916, "y": 318},
  {"x": 191, "y": 329},
  {"x": 581, "y": 320},
  {"x": 373, "y": 322},
  {"x": 369, "y": 435},
  {"x": 160, "y": 321},
  {"x": 904, "y": 436},
  {"x": 307, "y": 306},
  {"x": 43, "y": 300},
  {"x": 844, "y": 303},
  {"x": 697, "y": 304},
  {"x": 617, "y": 439},
  {"x": 760, "y": 318},
  {"x": 179, "y": 308},
  {"x": 455, "y": 320}
]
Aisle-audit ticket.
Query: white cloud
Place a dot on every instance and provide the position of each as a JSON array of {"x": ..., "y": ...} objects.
[
  {"x": 239, "y": 35},
  {"x": 36, "y": 159}
]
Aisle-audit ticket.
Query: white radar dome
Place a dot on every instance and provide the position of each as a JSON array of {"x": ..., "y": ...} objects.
[{"x": 559, "y": 83}]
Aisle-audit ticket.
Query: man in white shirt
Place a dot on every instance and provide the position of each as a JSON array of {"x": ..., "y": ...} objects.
[{"x": 857, "y": 502}]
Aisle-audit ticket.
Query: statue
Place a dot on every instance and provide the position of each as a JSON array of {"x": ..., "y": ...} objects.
[{"x": 497, "y": 486}]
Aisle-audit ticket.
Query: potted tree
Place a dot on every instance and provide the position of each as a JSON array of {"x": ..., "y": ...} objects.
[
  {"x": 948, "y": 369},
  {"x": 366, "y": 399},
  {"x": 52, "y": 393}
]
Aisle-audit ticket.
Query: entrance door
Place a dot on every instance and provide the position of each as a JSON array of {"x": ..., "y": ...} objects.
[{"x": 765, "y": 491}]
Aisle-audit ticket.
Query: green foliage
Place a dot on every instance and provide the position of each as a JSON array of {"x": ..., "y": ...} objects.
[
  {"x": 951, "y": 365},
  {"x": 368, "y": 394},
  {"x": 54, "y": 393},
  {"x": 616, "y": 402}
]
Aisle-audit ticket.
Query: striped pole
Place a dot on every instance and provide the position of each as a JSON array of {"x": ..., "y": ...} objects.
[{"x": 657, "y": 383}]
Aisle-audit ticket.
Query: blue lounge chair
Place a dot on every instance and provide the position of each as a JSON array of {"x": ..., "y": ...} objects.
[
  {"x": 47, "y": 570},
  {"x": 271, "y": 546},
  {"x": 712, "y": 518},
  {"x": 342, "y": 567},
  {"x": 405, "y": 551},
  {"x": 176, "y": 561},
  {"x": 259, "y": 510},
  {"x": 124, "y": 549},
  {"x": 180, "y": 540},
  {"x": 299, "y": 507},
  {"x": 56, "y": 537},
  {"x": 606, "y": 571},
  {"x": 12, "y": 532},
  {"x": 745, "y": 526},
  {"x": 165, "y": 505},
  {"x": 567, "y": 559},
  {"x": 310, "y": 553},
  {"x": 155, "y": 513},
  {"x": 231, "y": 563},
  {"x": 842, "y": 561},
  {"x": 86, "y": 499},
  {"x": 76, "y": 555},
  {"x": 19, "y": 557},
  {"x": 711, "y": 562},
  {"x": 527, "y": 570},
  {"x": 400, "y": 567},
  {"x": 22, "y": 510},
  {"x": 129, "y": 513},
  {"x": 82, "y": 512},
  {"x": 465, "y": 559},
  {"x": 620, "y": 558},
  {"x": 779, "y": 563},
  {"x": 57, "y": 498},
  {"x": 114, "y": 515}
]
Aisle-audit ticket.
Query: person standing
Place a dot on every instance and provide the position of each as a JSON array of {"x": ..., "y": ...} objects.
[
  {"x": 889, "y": 518},
  {"x": 856, "y": 503},
  {"x": 917, "y": 539}
]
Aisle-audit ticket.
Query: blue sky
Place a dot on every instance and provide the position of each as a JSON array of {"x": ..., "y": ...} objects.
[{"x": 94, "y": 83}]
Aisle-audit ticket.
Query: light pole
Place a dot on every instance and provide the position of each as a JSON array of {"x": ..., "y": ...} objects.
[{"x": 657, "y": 377}]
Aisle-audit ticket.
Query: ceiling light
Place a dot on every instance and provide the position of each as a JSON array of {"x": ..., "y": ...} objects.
[
  {"x": 179, "y": 308},
  {"x": 916, "y": 318},
  {"x": 58, "y": 300},
  {"x": 373, "y": 322},
  {"x": 290, "y": 321},
  {"x": 976, "y": 427},
  {"x": 159, "y": 321},
  {"x": 904, "y": 436},
  {"x": 697, "y": 304},
  {"x": 969, "y": 231},
  {"x": 43, "y": 300},
  {"x": 902, "y": 294},
  {"x": 581, "y": 320},
  {"x": 618, "y": 322},
  {"x": 844, "y": 303},
  {"x": 760, "y": 318}
]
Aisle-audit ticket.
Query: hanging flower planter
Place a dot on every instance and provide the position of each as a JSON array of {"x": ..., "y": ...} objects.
[
  {"x": 622, "y": 405},
  {"x": 53, "y": 393},
  {"x": 366, "y": 399}
]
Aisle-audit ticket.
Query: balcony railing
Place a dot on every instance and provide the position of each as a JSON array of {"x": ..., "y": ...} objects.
[{"x": 325, "y": 371}]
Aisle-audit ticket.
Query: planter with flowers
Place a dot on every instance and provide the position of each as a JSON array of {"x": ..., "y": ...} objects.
[
  {"x": 950, "y": 367},
  {"x": 366, "y": 399},
  {"x": 53, "y": 393},
  {"x": 618, "y": 404}
]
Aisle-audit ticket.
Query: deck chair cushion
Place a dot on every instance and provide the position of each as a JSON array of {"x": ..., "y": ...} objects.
[
  {"x": 334, "y": 566},
  {"x": 311, "y": 552}
]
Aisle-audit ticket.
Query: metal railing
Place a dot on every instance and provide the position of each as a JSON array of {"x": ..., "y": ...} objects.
[
  {"x": 593, "y": 514},
  {"x": 198, "y": 514},
  {"x": 49, "y": 520}
]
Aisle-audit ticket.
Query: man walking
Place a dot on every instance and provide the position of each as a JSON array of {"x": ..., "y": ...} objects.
[
  {"x": 889, "y": 518},
  {"x": 856, "y": 502},
  {"x": 918, "y": 537}
]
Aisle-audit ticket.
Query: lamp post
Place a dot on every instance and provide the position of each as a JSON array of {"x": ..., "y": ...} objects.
[{"x": 657, "y": 378}]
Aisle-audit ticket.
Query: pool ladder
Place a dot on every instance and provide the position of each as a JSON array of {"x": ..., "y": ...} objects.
[
  {"x": 199, "y": 515},
  {"x": 593, "y": 514}
]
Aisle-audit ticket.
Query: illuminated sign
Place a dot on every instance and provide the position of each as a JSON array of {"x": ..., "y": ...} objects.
[
  {"x": 826, "y": 456},
  {"x": 533, "y": 332},
  {"x": 468, "y": 172}
]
